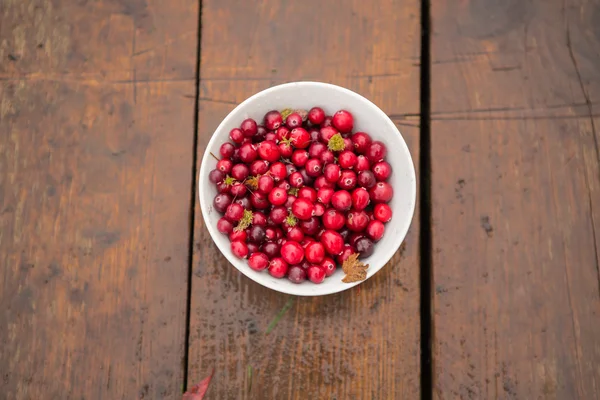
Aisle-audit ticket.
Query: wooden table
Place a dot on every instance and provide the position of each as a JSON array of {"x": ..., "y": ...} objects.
[{"x": 110, "y": 287}]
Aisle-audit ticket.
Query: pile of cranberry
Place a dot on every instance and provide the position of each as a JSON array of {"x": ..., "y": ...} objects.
[{"x": 301, "y": 192}]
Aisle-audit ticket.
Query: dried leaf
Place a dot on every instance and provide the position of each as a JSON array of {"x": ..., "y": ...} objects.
[
  {"x": 285, "y": 113},
  {"x": 354, "y": 269},
  {"x": 302, "y": 113},
  {"x": 245, "y": 222},
  {"x": 336, "y": 143},
  {"x": 252, "y": 182},
  {"x": 293, "y": 191},
  {"x": 198, "y": 391},
  {"x": 285, "y": 308}
]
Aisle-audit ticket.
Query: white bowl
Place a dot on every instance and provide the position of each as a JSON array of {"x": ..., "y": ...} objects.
[{"x": 367, "y": 117}]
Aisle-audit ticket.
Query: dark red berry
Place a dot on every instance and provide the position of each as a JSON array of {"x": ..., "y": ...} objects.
[
  {"x": 258, "y": 261},
  {"x": 224, "y": 226},
  {"x": 347, "y": 180},
  {"x": 321, "y": 183},
  {"x": 278, "y": 196},
  {"x": 347, "y": 159},
  {"x": 310, "y": 226},
  {"x": 316, "y": 149},
  {"x": 316, "y": 274},
  {"x": 249, "y": 127},
  {"x": 278, "y": 214},
  {"x": 382, "y": 212},
  {"x": 273, "y": 120},
  {"x": 236, "y": 135},
  {"x": 360, "y": 198},
  {"x": 382, "y": 192},
  {"x": 375, "y": 230},
  {"x": 259, "y": 200},
  {"x": 226, "y": 150},
  {"x": 382, "y": 170},
  {"x": 238, "y": 189},
  {"x": 290, "y": 168},
  {"x": 271, "y": 136},
  {"x": 278, "y": 171},
  {"x": 244, "y": 202},
  {"x": 365, "y": 247},
  {"x": 292, "y": 252},
  {"x": 296, "y": 274},
  {"x": 341, "y": 200},
  {"x": 259, "y": 167},
  {"x": 316, "y": 115},
  {"x": 216, "y": 176},
  {"x": 240, "y": 172},
  {"x": 269, "y": 151},
  {"x": 361, "y": 141},
  {"x": 294, "y": 120},
  {"x": 222, "y": 201},
  {"x": 259, "y": 218},
  {"x": 225, "y": 165},
  {"x": 252, "y": 248},
  {"x": 261, "y": 134},
  {"x": 256, "y": 234},
  {"x": 234, "y": 212},
  {"x": 303, "y": 209},
  {"x": 327, "y": 157},
  {"x": 346, "y": 252},
  {"x": 332, "y": 241},
  {"x": 266, "y": 184},
  {"x": 271, "y": 249},
  {"x": 239, "y": 249},
  {"x": 270, "y": 233},
  {"x": 285, "y": 185},
  {"x": 295, "y": 234},
  {"x": 222, "y": 187},
  {"x": 376, "y": 151},
  {"x": 300, "y": 138},
  {"x": 313, "y": 167},
  {"x": 290, "y": 200},
  {"x": 315, "y": 252},
  {"x": 278, "y": 267},
  {"x": 299, "y": 158},
  {"x": 308, "y": 180},
  {"x": 366, "y": 179}
]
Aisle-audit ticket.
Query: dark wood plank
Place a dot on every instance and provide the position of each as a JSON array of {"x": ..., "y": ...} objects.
[
  {"x": 516, "y": 197},
  {"x": 350, "y": 345},
  {"x": 96, "y": 129}
]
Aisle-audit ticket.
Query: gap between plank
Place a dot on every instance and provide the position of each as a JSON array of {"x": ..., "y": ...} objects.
[
  {"x": 425, "y": 243},
  {"x": 192, "y": 213}
]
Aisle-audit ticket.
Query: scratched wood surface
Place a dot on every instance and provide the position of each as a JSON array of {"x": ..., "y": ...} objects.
[
  {"x": 96, "y": 130},
  {"x": 350, "y": 345},
  {"x": 516, "y": 199}
]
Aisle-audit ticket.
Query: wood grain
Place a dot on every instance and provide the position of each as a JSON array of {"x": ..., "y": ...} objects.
[
  {"x": 516, "y": 199},
  {"x": 353, "y": 345},
  {"x": 96, "y": 129}
]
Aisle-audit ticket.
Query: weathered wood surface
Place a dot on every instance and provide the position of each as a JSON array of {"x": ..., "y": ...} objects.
[
  {"x": 96, "y": 135},
  {"x": 516, "y": 199},
  {"x": 357, "y": 344}
]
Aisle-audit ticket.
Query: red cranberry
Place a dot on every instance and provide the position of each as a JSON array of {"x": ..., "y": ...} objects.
[
  {"x": 252, "y": 248},
  {"x": 327, "y": 133},
  {"x": 314, "y": 135},
  {"x": 310, "y": 226},
  {"x": 348, "y": 146},
  {"x": 329, "y": 266},
  {"x": 343, "y": 121},
  {"x": 285, "y": 185},
  {"x": 296, "y": 179},
  {"x": 239, "y": 249},
  {"x": 261, "y": 134},
  {"x": 360, "y": 198},
  {"x": 316, "y": 115},
  {"x": 315, "y": 252},
  {"x": 224, "y": 165},
  {"x": 238, "y": 189},
  {"x": 236, "y": 135},
  {"x": 259, "y": 167},
  {"x": 290, "y": 168},
  {"x": 382, "y": 171},
  {"x": 285, "y": 149},
  {"x": 319, "y": 209},
  {"x": 282, "y": 133},
  {"x": 216, "y": 176},
  {"x": 296, "y": 274},
  {"x": 278, "y": 267},
  {"x": 305, "y": 242},
  {"x": 249, "y": 127},
  {"x": 271, "y": 136},
  {"x": 316, "y": 274},
  {"x": 278, "y": 171},
  {"x": 347, "y": 159},
  {"x": 382, "y": 212},
  {"x": 295, "y": 234},
  {"x": 259, "y": 218},
  {"x": 307, "y": 193},
  {"x": 316, "y": 149},
  {"x": 375, "y": 230},
  {"x": 299, "y": 158},
  {"x": 376, "y": 151},
  {"x": 221, "y": 202},
  {"x": 278, "y": 196},
  {"x": 324, "y": 195},
  {"x": 236, "y": 155},
  {"x": 269, "y": 151},
  {"x": 271, "y": 249},
  {"x": 382, "y": 192},
  {"x": 347, "y": 180},
  {"x": 313, "y": 167},
  {"x": 292, "y": 252},
  {"x": 308, "y": 180},
  {"x": 266, "y": 184},
  {"x": 362, "y": 163},
  {"x": 361, "y": 141},
  {"x": 327, "y": 157},
  {"x": 332, "y": 241},
  {"x": 365, "y": 247},
  {"x": 333, "y": 219},
  {"x": 326, "y": 122},
  {"x": 258, "y": 261},
  {"x": 321, "y": 183},
  {"x": 332, "y": 172},
  {"x": 357, "y": 221},
  {"x": 226, "y": 150},
  {"x": 234, "y": 212},
  {"x": 256, "y": 234},
  {"x": 259, "y": 200},
  {"x": 240, "y": 172},
  {"x": 300, "y": 138},
  {"x": 353, "y": 237},
  {"x": 244, "y": 202},
  {"x": 346, "y": 252},
  {"x": 366, "y": 179},
  {"x": 271, "y": 234},
  {"x": 294, "y": 120},
  {"x": 273, "y": 120},
  {"x": 290, "y": 200},
  {"x": 222, "y": 187},
  {"x": 303, "y": 209},
  {"x": 345, "y": 232},
  {"x": 341, "y": 200},
  {"x": 278, "y": 214},
  {"x": 224, "y": 226}
]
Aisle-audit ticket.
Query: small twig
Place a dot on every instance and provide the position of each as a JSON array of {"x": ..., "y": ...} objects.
[
  {"x": 249, "y": 377},
  {"x": 285, "y": 308},
  {"x": 215, "y": 157}
]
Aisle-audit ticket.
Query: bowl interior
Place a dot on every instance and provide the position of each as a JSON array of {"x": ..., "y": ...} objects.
[{"x": 367, "y": 117}]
